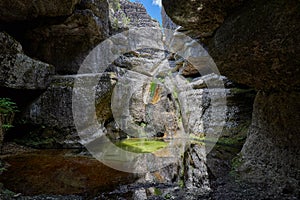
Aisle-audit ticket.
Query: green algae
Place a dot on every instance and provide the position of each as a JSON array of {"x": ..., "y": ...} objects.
[{"x": 141, "y": 145}]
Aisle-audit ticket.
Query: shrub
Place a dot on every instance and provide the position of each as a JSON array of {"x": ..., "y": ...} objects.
[
  {"x": 7, "y": 110},
  {"x": 7, "y": 106}
]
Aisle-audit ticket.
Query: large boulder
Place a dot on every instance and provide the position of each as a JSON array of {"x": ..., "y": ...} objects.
[
  {"x": 272, "y": 150},
  {"x": 251, "y": 44},
  {"x": 201, "y": 16},
  {"x": 65, "y": 45},
  {"x": 17, "y": 10},
  {"x": 61, "y": 33},
  {"x": 18, "y": 71}
]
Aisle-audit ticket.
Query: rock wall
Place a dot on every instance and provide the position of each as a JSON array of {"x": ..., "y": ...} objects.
[
  {"x": 126, "y": 14},
  {"x": 18, "y": 71},
  {"x": 61, "y": 34},
  {"x": 48, "y": 30},
  {"x": 256, "y": 43},
  {"x": 248, "y": 35},
  {"x": 166, "y": 21},
  {"x": 58, "y": 34},
  {"x": 272, "y": 150}
]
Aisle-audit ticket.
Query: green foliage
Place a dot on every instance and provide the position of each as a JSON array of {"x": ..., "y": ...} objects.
[
  {"x": 175, "y": 94},
  {"x": 152, "y": 88},
  {"x": 157, "y": 192},
  {"x": 7, "y": 126},
  {"x": 162, "y": 80},
  {"x": 181, "y": 183},
  {"x": 7, "y": 194},
  {"x": 125, "y": 20},
  {"x": 7, "y": 106},
  {"x": 168, "y": 196},
  {"x": 115, "y": 23},
  {"x": 236, "y": 162}
]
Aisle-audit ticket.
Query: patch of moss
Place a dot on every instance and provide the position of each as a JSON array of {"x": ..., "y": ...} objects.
[
  {"x": 231, "y": 141},
  {"x": 236, "y": 162},
  {"x": 157, "y": 192},
  {"x": 168, "y": 196},
  {"x": 45, "y": 143},
  {"x": 7, "y": 194},
  {"x": 181, "y": 183},
  {"x": 197, "y": 139},
  {"x": 140, "y": 145},
  {"x": 152, "y": 88},
  {"x": 241, "y": 90}
]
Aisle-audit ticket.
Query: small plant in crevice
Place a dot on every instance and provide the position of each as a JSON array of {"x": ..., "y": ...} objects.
[
  {"x": 7, "y": 106},
  {"x": 236, "y": 162},
  {"x": 7, "y": 110},
  {"x": 2, "y": 167}
]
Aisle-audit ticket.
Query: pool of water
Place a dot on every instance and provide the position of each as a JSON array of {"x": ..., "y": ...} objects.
[{"x": 61, "y": 172}]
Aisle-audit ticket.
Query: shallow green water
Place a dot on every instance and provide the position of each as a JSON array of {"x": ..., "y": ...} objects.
[{"x": 142, "y": 145}]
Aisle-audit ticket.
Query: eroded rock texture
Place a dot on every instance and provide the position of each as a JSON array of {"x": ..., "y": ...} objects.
[
  {"x": 204, "y": 15},
  {"x": 127, "y": 14},
  {"x": 59, "y": 33},
  {"x": 272, "y": 147},
  {"x": 256, "y": 43},
  {"x": 19, "y": 71},
  {"x": 51, "y": 115},
  {"x": 16, "y": 10}
]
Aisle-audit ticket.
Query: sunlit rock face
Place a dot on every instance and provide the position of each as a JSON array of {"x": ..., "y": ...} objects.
[
  {"x": 125, "y": 14},
  {"x": 253, "y": 43},
  {"x": 166, "y": 21}
]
